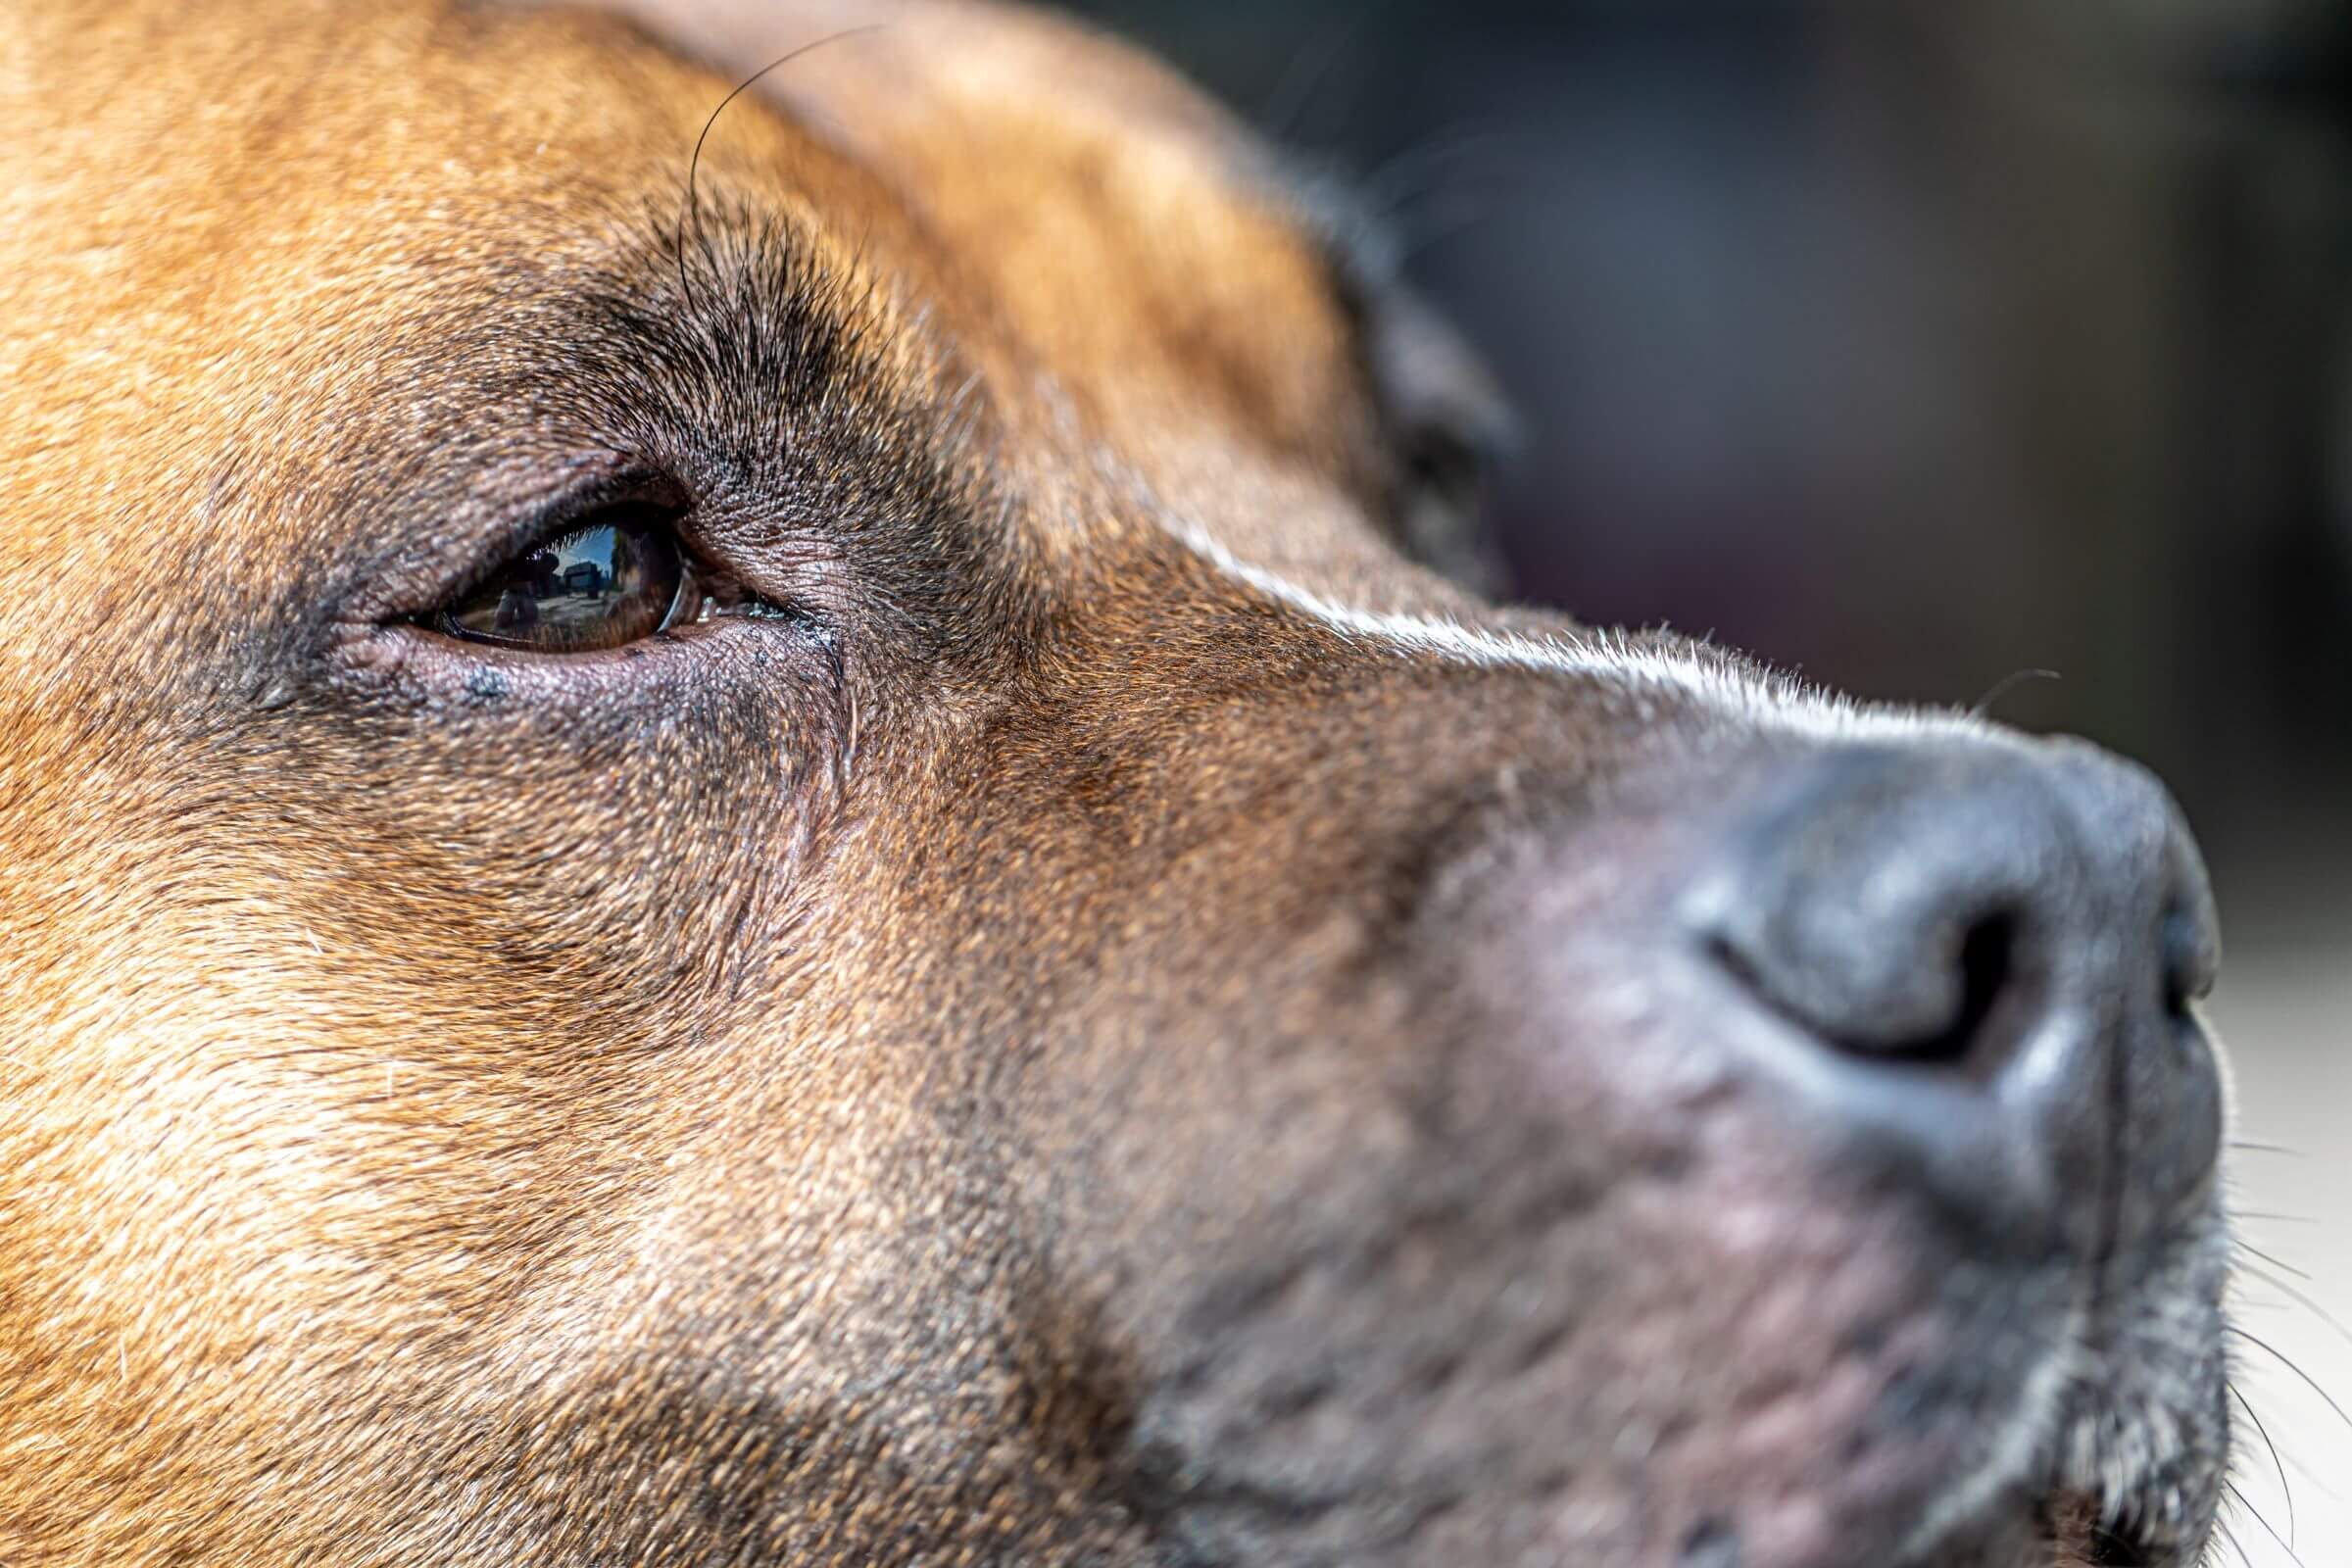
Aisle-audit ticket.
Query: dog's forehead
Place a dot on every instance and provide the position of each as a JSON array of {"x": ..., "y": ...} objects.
[
  {"x": 245, "y": 216},
  {"x": 1146, "y": 247}
]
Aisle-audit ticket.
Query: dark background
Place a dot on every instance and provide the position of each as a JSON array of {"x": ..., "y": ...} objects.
[
  {"x": 1914, "y": 343},
  {"x": 1911, "y": 343}
]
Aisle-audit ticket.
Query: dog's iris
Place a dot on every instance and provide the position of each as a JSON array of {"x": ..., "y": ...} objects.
[{"x": 617, "y": 577}]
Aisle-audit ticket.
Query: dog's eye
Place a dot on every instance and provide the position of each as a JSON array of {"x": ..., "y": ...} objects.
[{"x": 616, "y": 576}]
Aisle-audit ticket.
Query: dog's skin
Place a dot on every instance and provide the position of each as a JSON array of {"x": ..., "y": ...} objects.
[{"x": 1117, "y": 1020}]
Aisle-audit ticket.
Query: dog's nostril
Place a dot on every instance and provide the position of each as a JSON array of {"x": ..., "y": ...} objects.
[
  {"x": 1901, "y": 907},
  {"x": 1962, "y": 993},
  {"x": 1988, "y": 969}
]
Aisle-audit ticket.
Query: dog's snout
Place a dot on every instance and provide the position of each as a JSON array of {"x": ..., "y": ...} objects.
[{"x": 1982, "y": 956}]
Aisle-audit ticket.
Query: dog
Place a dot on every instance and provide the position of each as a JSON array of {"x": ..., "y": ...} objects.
[{"x": 742, "y": 827}]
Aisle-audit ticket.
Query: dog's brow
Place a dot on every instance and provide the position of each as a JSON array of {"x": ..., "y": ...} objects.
[
  {"x": 780, "y": 373},
  {"x": 689, "y": 211}
]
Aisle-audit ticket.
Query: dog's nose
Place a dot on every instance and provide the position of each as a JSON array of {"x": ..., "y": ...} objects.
[{"x": 1979, "y": 957}]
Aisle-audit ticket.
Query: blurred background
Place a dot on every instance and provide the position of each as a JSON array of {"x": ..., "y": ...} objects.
[{"x": 1919, "y": 343}]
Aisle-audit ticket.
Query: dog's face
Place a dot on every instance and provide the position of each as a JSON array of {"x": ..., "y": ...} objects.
[{"x": 802, "y": 878}]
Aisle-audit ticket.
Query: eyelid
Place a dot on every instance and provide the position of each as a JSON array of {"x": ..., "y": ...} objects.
[
  {"x": 443, "y": 539},
  {"x": 767, "y": 625},
  {"x": 612, "y": 577},
  {"x": 562, "y": 511}
]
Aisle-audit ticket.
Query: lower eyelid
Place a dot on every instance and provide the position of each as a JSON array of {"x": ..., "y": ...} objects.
[
  {"x": 751, "y": 609},
  {"x": 410, "y": 665},
  {"x": 720, "y": 596}
]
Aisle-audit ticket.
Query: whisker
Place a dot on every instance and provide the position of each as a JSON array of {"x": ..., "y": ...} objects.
[
  {"x": 2312, "y": 1481},
  {"x": 1309, "y": 68},
  {"x": 2230, "y": 1536},
  {"x": 2251, "y": 1148},
  {"x": 1414, "y": 170},
  {"x": 2284, "y": 1491},
  {"x": 1419, "y": 235},
  {"x": 2301, "y": 1297},
  {"x": 2231, "y": 1487},
  {"x": 690, "y": 211},
  {"x": 2285, "y": 1361},
  {"x": 2007, "y": 684},
  {"x": 2282, "y": 1267}
]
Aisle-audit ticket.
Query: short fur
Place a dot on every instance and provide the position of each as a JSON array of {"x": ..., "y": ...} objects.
[{"x": 1021, "y": 1059}]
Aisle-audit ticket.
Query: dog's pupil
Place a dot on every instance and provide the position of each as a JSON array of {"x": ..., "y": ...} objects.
[{"x": 611, "y": 580}]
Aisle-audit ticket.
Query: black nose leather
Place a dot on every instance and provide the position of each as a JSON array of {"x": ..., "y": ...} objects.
[{"x": 1979, "y": 956}]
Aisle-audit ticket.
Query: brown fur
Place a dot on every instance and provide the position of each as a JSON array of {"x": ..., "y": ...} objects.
[{"x": 773, "y": 1098}]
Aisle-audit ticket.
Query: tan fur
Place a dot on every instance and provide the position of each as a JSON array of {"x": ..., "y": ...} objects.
[{"x": 297, "y": 1134}]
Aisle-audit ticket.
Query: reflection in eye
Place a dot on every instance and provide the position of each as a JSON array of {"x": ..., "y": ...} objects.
[{"x": 618, "y": 578}]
